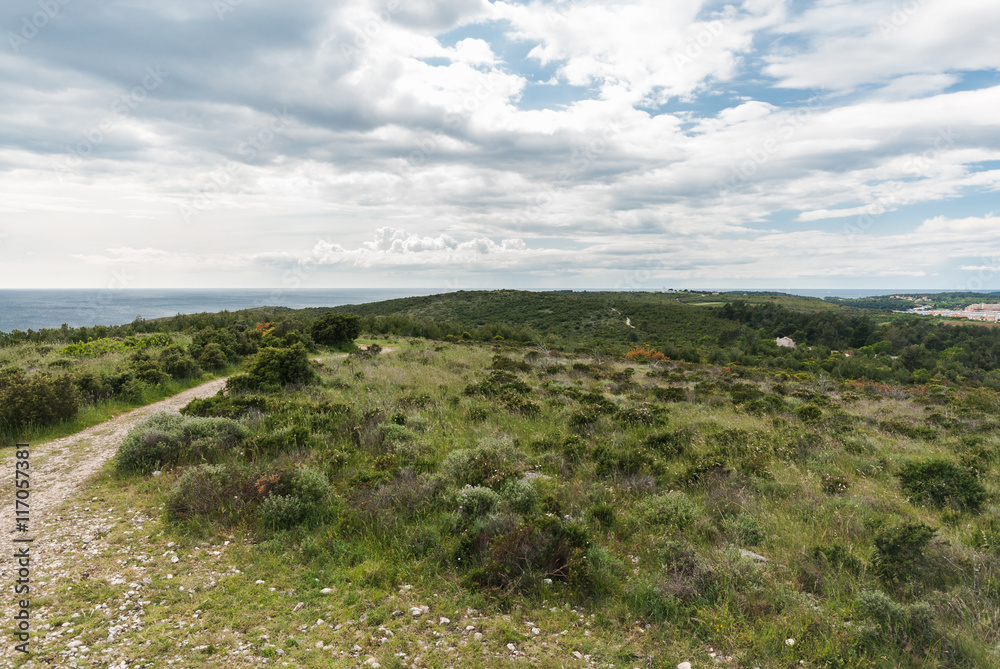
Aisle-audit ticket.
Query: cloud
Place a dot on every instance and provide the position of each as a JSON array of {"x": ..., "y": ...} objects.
[{"x": 699, "y": 140}]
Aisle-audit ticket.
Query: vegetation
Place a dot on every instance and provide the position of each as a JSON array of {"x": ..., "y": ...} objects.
[
  {"x": 333, "y": 329},
  {"x": 565, "y": 487},
  {"x": 723, "y": 515}
]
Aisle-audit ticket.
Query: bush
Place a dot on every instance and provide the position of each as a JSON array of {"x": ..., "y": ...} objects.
[
  {"x": 942, "y": 484},
  {"x": 272, "y": 368},
  {"x": 642, "y": 414},
  {"x": 673, "y": 509},
  {"x": 38, "y": 401},
  {"x": 311, "y": 486},
  {"x": 522, "y": 496},
  {"x": 490, "y": 464},
  {"x": 670, "y": 394},
  {"x": 212, "y": 357},
  {"x": 146, "y": 369},
  {"x": 899, "y": 552},
  {"x": 333, "y": 329},
  {"x": 671, "y": 444},
  {"x": 809, "y": 412},
  {"x": 519, "y": 558},
  {"x": 169, "y": 439},
  {"x": 281, "y": 512},
  {"x": 178, "y": 364},
  {"x": 210, "y": 491},
  {"x": 477, "y": 501},
  {"x": 220, "y": 406}
]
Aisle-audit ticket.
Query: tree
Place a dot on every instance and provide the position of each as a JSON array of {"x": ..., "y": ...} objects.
[{"x": 334, "y": 329}]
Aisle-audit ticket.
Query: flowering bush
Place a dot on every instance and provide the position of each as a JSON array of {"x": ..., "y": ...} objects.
[{"x": 644, "y": 354}]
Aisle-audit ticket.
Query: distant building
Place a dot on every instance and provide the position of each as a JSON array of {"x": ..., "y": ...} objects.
[
  {"x": 983, "y": 307},
  {"x": 786, "y": 342}
]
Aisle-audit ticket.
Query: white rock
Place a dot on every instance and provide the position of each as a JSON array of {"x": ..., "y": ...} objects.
[
  {"x": 684, "y": 665},
  {"x": 750, "y": 555},
  {"x": 444, "y": 621},
  {"x": 326, "y": 591}
]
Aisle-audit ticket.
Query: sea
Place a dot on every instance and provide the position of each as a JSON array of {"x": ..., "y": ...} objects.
[
  {"x": 48, "y": 308},
  {"x": 37, "y": 309}
]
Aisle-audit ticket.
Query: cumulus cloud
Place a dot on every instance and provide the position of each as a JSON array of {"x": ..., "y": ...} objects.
[{"x": 700, "y": 140}]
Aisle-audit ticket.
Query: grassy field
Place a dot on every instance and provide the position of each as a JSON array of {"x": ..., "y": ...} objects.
[{"x": 466, "y": 505}]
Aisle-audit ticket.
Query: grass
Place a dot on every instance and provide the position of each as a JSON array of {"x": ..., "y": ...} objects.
[{"x": 641, "y": 512}]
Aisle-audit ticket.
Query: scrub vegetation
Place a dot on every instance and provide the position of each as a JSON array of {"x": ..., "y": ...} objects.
[{"x": 481, "y": 496}]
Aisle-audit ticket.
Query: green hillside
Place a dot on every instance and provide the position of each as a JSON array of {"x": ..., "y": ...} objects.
[{"x": 594, "y": 318}]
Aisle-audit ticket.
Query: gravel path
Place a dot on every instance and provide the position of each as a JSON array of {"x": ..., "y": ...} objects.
[
  {"x": 60, "y": 467},
  {"x": 61, "y": 529}
]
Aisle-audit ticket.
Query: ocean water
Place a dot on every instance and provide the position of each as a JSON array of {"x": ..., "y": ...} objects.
[{"x": 36, "y": 309}]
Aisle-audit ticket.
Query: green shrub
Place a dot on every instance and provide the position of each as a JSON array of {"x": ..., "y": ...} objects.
[
  {"x": 281, "y": 512},
  {"x": 670, "y": 394},
  {"x": 899, "y": 552},
  {"x": 671, "y": 444},
  {"x": 673, "y": 509},
  {"x": 612, "y": 460},
  {"x": 270, "y": 368},
  {"x": 169, "y": 439},
  {"x": 311, "y": 486},
  {"x": 146, "y": 369},
  {"x": 522, "y": 496},
  {"x": 39, "y": 401},
  {"x": 490, "y": 464},
  {"x": 744, "y": 529},
  {"x": 586, "y": 417},
  {"x": 499, "y": 382},
  {"x": 220, "y": 406},
  {"x": 177, "y": 363},
  {"x": 218, "y": 492},
  {"x": 212, "y": 357},
  {"x": 809, "y": 412},
  {"x": 519, "y": 558},
  {"x": 604, "y": 513},
  {"x": 942, "y": 484},
  {"x": 642, "y": 414},
  {"x": 333, "y": 329},
  {"x": 477, "y": 501}
]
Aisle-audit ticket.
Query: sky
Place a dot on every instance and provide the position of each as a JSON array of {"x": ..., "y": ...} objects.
[{"x": 464, "y": 144}]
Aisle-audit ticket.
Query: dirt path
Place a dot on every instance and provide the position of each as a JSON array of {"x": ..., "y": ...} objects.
[
  {"x": 60, "y": 467},
  {"x": 65, "y": 534}
]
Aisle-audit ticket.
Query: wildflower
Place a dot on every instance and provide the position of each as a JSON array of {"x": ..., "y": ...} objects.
[{"x": 789, "y": 642}]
